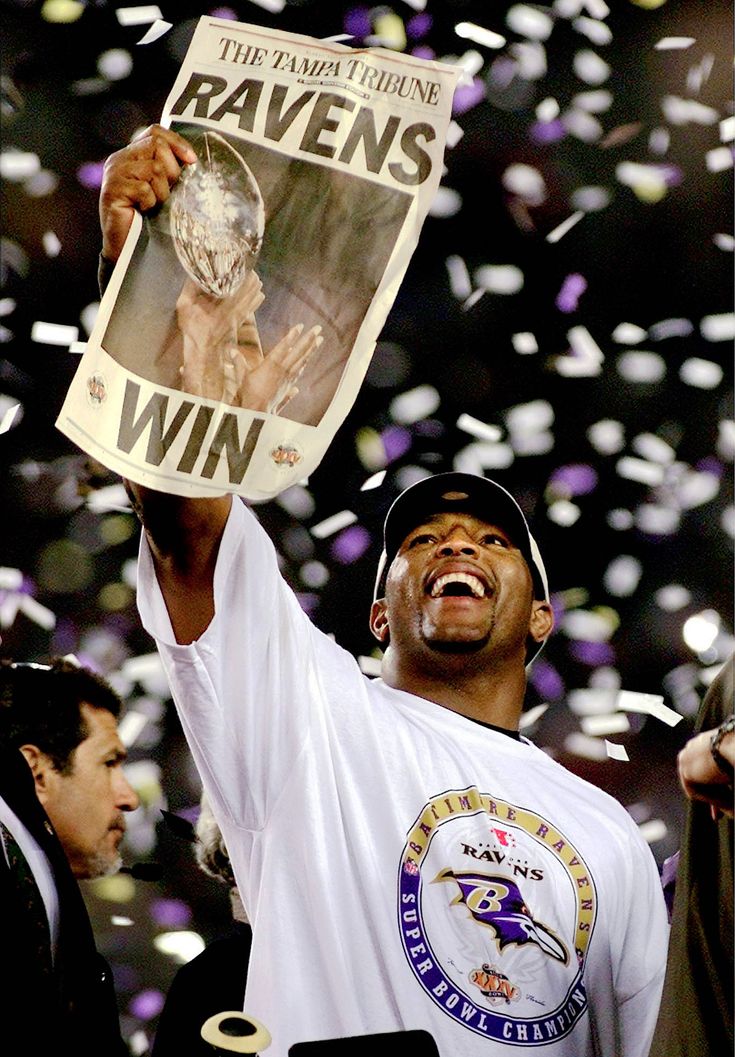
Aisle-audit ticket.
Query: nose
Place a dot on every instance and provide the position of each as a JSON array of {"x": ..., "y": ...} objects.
[
  {"x": 127, "y": 798},
  {"x": 457, "y": 541}
]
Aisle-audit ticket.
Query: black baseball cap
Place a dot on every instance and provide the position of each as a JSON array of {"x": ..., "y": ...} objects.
[{"x": 468, "y": 493}]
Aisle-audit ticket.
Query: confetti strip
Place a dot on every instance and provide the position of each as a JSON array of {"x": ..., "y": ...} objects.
[
  {"x": 155, "y": 32},
  {"x": 478, "y": 429},
  {"x": 9, "y": 418},
  {"x": 333, "y": 524},
  {"x": 138, "y": 16},
  {"x": 609, "y": 723},
  {"x": 674, "y": 43},
  {"x": 615, "y": 751},
  {"x": 560, "y": 231},
  {"x": 648, "y": 704},
  {"x": 53, "y": 333}
]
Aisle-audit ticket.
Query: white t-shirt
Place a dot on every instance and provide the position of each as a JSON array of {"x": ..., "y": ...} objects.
[{"x": 402, "y": 866}]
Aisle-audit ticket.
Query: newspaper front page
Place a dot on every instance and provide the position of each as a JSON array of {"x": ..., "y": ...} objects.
[{"x": 243, "y": 314}]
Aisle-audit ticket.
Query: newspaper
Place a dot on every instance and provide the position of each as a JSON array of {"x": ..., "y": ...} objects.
[{"x": 242, "y": 315}]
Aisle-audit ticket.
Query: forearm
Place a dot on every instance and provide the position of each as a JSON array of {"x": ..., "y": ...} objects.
[{"x": 184, "y": 536}]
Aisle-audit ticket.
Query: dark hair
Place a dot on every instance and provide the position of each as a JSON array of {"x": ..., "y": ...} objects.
[{"x": 40, "y": 704}]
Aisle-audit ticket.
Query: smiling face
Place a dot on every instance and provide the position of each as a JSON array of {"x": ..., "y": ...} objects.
[
  {"x": 86, "y": 802},
  {"x": 459, "y": 584}
]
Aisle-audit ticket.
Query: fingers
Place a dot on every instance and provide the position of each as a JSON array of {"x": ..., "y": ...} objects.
[
  {"x": 139, "y": 177},
  {"x": 294, "y": 349}
]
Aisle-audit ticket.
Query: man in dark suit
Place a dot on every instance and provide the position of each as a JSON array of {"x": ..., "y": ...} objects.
[{"x": 62, "y": 797}]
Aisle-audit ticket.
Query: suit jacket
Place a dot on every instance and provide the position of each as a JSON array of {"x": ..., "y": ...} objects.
[{"x": 74, "y": 1011}]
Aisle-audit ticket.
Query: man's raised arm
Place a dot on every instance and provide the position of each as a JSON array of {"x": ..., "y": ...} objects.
[{"x": 184, "y": 534}]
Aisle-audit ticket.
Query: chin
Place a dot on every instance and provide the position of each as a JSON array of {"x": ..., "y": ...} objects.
[{"x": 457, "y": 646}]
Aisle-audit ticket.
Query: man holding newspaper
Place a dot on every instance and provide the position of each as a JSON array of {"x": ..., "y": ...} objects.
[{"x": 408, "y": 861}]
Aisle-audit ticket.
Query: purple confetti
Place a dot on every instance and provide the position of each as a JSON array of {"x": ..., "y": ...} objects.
[
  {"x": 418, "y": 26},
  {"x": 547, "y": 131},
  {"x": 423, "y": 51},
  {"x": 468, "y": 95},
  {"x": 170, "y": 913},
  {"x": 571, "y": 290},
  {"x": 90, "y": 175},
  {"x": 358, "y": 22},
  {"x": 396, "y": 442},
  {"x": 576, "y": 478},
  {"x": 224, "y": 12},
  {"x": 308, "y": 602},
  {"x": 147, "y": 1004},
  {"x": 592, "y": 653},
  {"x": 350, "y": 544},
  {"x": 546, "y": 680}
]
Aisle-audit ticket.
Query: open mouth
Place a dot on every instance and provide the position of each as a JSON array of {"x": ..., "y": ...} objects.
[{"x": 457, "y": 585}]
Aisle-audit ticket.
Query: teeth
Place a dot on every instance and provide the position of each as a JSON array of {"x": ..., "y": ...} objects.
[{"x": 458, "y": 578}]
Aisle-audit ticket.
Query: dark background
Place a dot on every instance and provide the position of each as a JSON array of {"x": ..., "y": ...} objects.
[{"x": 643, "y": 262}]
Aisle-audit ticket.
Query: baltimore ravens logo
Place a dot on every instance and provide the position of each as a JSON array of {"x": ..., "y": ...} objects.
[{"x": 497, "y": 903}]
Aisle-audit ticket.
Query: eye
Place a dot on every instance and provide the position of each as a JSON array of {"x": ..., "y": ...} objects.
[
  {"x": 421, "y": 538},
  {"x": 492, "y": 538}
]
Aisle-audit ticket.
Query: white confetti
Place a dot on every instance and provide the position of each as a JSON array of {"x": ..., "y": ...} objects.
[
  {"x": 674, "y": 43},
  {"x": 563, "y": 512},
  {"x": 525, "y": 343},
  {"x": 724, "y": 241},
  {"x": 720, "y": 327},
  {"x": 529, "y": 22},
  {"x": 374, "y": 481},
  {"x": 370, "y": 666},
  {"x": 594, "y": 102},
  {"x": 486, "y": 37},
  {"x": 607, "y": 436},
  {"x": 53, "y": 333},
  {"x": 530, "y": 57},
  {"x": 78, "y": 347},
  {"x": 446, "y": 202},
  {"x": 531, "y": 716},
  {"x": 526, "y": 182},
  {"x": 640, "y": 470},
  {"x": 615, "y": 751},
  {"x": 586, "y": 626},
  {"x": 115, "y": 64},
  {"x": 702, "y": 374},
  {"x": 130, "y": 727},
  {"x": 138, "y": 16},
  {"x": 727, "y": 129},
  {"x": 590, "y": 68},
  {"x": 653, "y": 830},
  {"x": 333, "y": 524},
  {"x": 672, "y": 597},
  {"x": 51, "y": 244},
  {"x": 499, "y": 278},
  {"x": 459, "y": 277},
  {"x": 719, "y": 159},
  {"x": 641, "y": 366},
  {"x": 659, "y": 140},
  {"x": 622, "y": 576},
  {"x": 415, "y": 404},
  {"x": 654, "y": 448},
  {"x": 111, "y": 497},
  {"x": 610, "y": 723},
  {"x": 39, "y": 614},
  {"x": 10, "y": 579},
  {"x": 629, "y": 334},
  {"x": 9, "y": 418},
  {"x": 591, "y": 199},
  {"x": 678, "y": 111},
  {"x": 582, "y": 125},
  {"x": 547, "y": 109},
  {"x": 560, "y": 231},
  {"x": 656, "y": 520},
  {"x": 483, "y": 455},
  {"x": 156, "y": 31},
  {"x": 17, "y": 165},
  {"x": 648, "y": 704},
  {"x": 476, "y": 428},
  {"x": 533, "y": 417},
  {"x": 593, "y": 29},
  {"x": 123, "y": 922},
  {"x": 581, "y": 745}
]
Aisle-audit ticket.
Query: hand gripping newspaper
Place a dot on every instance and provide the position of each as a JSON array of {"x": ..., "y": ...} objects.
[{"x": 243, "y": 314}]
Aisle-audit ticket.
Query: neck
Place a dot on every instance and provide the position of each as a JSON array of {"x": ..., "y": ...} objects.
[{"x": 479, "y": 690}]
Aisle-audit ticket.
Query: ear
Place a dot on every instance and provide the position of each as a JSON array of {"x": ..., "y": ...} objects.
[
  {"x": 379, "y": 620},
  {"x": 542, "y": 620},
  {"x": 41, "y": 767}
]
